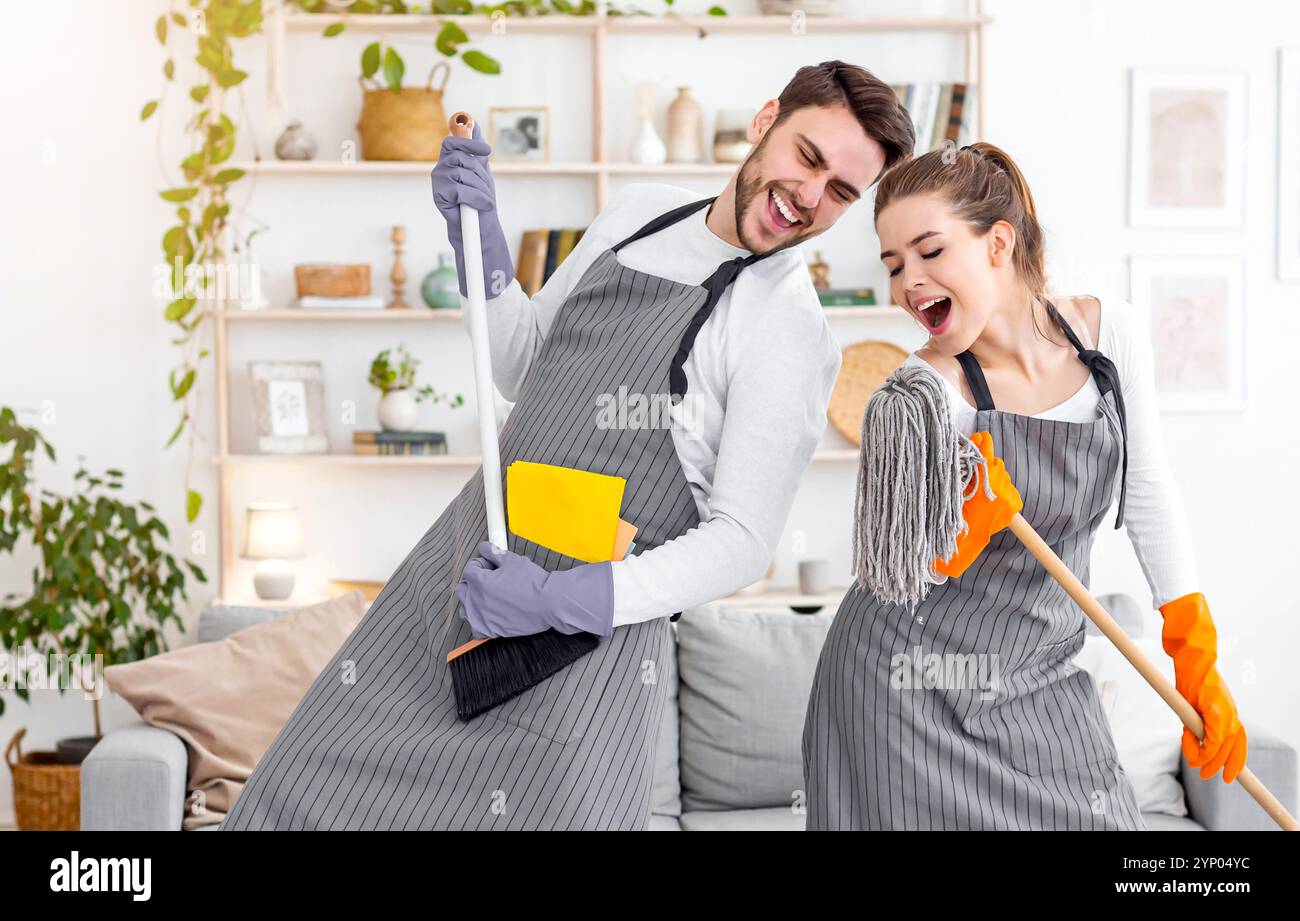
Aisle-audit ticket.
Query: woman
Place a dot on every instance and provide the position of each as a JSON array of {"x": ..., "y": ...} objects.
[{"x": 1025, "y": 744}]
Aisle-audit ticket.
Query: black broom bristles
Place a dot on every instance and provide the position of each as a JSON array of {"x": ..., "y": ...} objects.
[{"x": 504, "y": 667}]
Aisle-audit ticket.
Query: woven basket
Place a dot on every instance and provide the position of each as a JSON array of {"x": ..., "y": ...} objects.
[
  {"x": 47, "y": 795},
  {"x": 405, "y": 124},
  {"x": 863, "y": 368},
  {"x": 329, "y": 279}
]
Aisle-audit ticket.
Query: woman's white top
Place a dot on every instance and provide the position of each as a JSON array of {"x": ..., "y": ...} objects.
[
  {"x": 759, "y": 380},
  {"x": 1154, "y": 516}
]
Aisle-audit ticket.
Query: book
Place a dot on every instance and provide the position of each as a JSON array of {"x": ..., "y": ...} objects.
[
  {"x": 387, "y": 437},
  {"x": 532, "y": 259},
  {"x": 552, "y": 252},
  {"x": 846, "y": 297},
  {"x": 410, "y": 448},
  {"x": 954, "y": 132}
]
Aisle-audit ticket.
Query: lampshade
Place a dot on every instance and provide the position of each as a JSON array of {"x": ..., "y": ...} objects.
[{"x": 272, "y": 531}]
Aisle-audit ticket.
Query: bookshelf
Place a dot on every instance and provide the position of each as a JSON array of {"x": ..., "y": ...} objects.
[{"x": 598, "y": 29}]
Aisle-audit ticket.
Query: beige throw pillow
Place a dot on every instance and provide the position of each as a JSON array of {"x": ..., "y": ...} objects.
[{"x": 227, "y": 700}]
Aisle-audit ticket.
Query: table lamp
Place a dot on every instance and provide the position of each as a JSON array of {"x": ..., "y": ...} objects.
[{"x": 272, "y": 534}]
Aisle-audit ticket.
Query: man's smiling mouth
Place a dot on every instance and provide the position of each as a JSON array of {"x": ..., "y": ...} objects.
[{"x": 780, "y": 212}]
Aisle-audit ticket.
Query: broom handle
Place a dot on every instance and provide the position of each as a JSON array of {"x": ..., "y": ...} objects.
[
  {"x": 475, "y": 306},
  {"x": 1106, "y": 624}
]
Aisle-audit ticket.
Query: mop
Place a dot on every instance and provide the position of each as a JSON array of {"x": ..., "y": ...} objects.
[
  {"x": 917, "y": 470},
  {"x": 485, "y": 674}
]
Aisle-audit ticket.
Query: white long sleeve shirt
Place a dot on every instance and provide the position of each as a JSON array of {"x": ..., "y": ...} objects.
[
  {"x": 1154, "y": 516},
  {"x": 759, "y": 379}
]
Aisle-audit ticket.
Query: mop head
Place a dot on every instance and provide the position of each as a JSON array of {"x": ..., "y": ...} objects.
[
  {"x": 915, "y": 472},
  {"x": 503, "y": 668}
]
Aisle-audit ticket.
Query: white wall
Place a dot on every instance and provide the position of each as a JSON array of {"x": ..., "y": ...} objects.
[{"x": 81, "y": 227}]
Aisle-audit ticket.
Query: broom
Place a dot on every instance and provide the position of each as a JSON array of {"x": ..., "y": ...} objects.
[
  {"x": 485, "y": 674},
  {"x": 916, "y": 472}
]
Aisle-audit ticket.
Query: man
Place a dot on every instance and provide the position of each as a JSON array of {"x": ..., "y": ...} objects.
[{"x": 643, "y": 307}]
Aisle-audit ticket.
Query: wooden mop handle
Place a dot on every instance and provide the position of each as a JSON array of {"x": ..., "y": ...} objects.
[{"x": 1106, "y": 624}]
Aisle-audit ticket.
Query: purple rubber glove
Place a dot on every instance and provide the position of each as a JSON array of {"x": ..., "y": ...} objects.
[
  {"x": 505, "y": 594},
  {"x": 461, "y": 176}
]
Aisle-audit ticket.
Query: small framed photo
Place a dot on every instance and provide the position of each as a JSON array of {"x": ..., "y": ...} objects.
[
  {"x": 520, "y": 133},
  {"x": 1187, "y": 149},
  {"x": 1195, "y": 310},
  {"x": 289, "y": 399},
  {"x": 1288, "y": 166}
]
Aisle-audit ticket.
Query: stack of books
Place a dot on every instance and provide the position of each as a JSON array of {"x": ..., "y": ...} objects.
[
  {"x": 540, "y": 252},
  {"x": 389, "y": 443},
  {"x": 941, "y": 112}
]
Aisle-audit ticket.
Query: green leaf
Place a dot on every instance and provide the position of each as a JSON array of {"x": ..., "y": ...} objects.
[
  {"x": 169, "y": 68},
  {"x": 179, "y": 391},
  {"x": 333, "y": 29},
  {"x": 370, "y": 60},
  {"x": 193, "y": 502},
  {"x": 231, "y": 78},
  {"x": 717, "y": 11},
  {"x": 149, "y": 108},
  {"x": 227, "y": 175},
  {"x": 176, "y": 434},
  {"x": 160, "y": 29},
  {"x": 179, "y": 195},
  {"x": 193, "y": 166},
  {"x": 450, "y": 36},
  {"x": 394, "y": 68},
  {"x": 179, "y": 19},
  {"x": 178, "y": 308},
  {"x": 199, "y": 93},
  {"x": 481, "y": 62}
]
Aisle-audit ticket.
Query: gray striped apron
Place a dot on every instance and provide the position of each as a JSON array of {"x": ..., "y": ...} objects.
[
  {"x": 968, "y": 713},
  {"x": 375, "y": 742}
]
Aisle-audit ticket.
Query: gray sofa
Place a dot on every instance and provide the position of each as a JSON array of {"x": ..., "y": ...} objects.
[{"x": 729, "y": 752}]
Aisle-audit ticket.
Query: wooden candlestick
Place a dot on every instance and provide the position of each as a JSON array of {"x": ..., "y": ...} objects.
[{"x": 398, "y": 275}]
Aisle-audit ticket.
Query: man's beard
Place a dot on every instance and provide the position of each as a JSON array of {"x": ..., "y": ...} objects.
[{"x": 752, "y": 192}]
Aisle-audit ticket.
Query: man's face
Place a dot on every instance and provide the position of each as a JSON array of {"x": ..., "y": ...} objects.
[{"x": 811, "y": 167}]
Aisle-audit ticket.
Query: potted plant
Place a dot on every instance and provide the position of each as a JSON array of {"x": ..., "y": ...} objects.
[
  {"x": 104, "y": 585},
  {"x": 392, "y": 373}
]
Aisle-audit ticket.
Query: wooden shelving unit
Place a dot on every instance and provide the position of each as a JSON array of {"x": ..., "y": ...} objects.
[{"x": 599, "y": 28}]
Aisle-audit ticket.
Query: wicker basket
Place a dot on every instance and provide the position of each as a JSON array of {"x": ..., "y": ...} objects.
[
  {"x": 47, "y": 795},
  {"x": 329, "y": 279},
  {"x": 405, "y": 124},
  {"x": 864, "y": 367}
]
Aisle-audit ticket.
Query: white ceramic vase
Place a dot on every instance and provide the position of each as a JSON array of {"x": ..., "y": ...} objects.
[
  {"x": 398, "y": 411},
  {"x": 648, "y": 147}
]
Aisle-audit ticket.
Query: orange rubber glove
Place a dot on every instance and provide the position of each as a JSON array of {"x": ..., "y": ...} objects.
[
  {"x": 1189, "y": 639},
  {"x": 984, "y": 517}
]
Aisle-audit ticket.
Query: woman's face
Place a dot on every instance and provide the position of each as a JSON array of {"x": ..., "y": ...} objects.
[{"x": 941, "y": 271}]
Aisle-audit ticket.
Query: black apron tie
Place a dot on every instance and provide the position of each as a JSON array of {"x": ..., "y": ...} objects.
[
  {"x": 715, "y": 284},
  {"x": 1106, "y": 376}
]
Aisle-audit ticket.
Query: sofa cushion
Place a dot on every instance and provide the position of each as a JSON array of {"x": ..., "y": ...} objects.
[
  {"x": 218, "y": 621},
  {"x": 227, "y": 699},
  {"x": 666, "y": 794},
  {"x": 775, "y": 818},
  {"x": 745, "y": 676}
]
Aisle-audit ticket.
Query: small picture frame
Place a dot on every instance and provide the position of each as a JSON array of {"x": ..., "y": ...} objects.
[
  {"x": 520, "y": 133},
  {"x": 1195, "y": 312},
  {"x": 1288, "y": 165},
  {"x": 1187, "y": 149},
  {"x": 289, "y": 401}
]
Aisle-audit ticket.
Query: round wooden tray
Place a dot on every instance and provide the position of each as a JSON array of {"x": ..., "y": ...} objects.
[{"x": 863, "y": 368}]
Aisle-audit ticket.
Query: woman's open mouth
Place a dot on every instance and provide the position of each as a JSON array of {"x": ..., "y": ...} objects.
[
  {"x": 780, "y": 214},
  {"x": 936, "y": 313}
]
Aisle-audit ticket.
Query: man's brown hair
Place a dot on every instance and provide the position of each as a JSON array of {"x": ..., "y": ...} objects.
[{"x": 872, "y": 102}]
